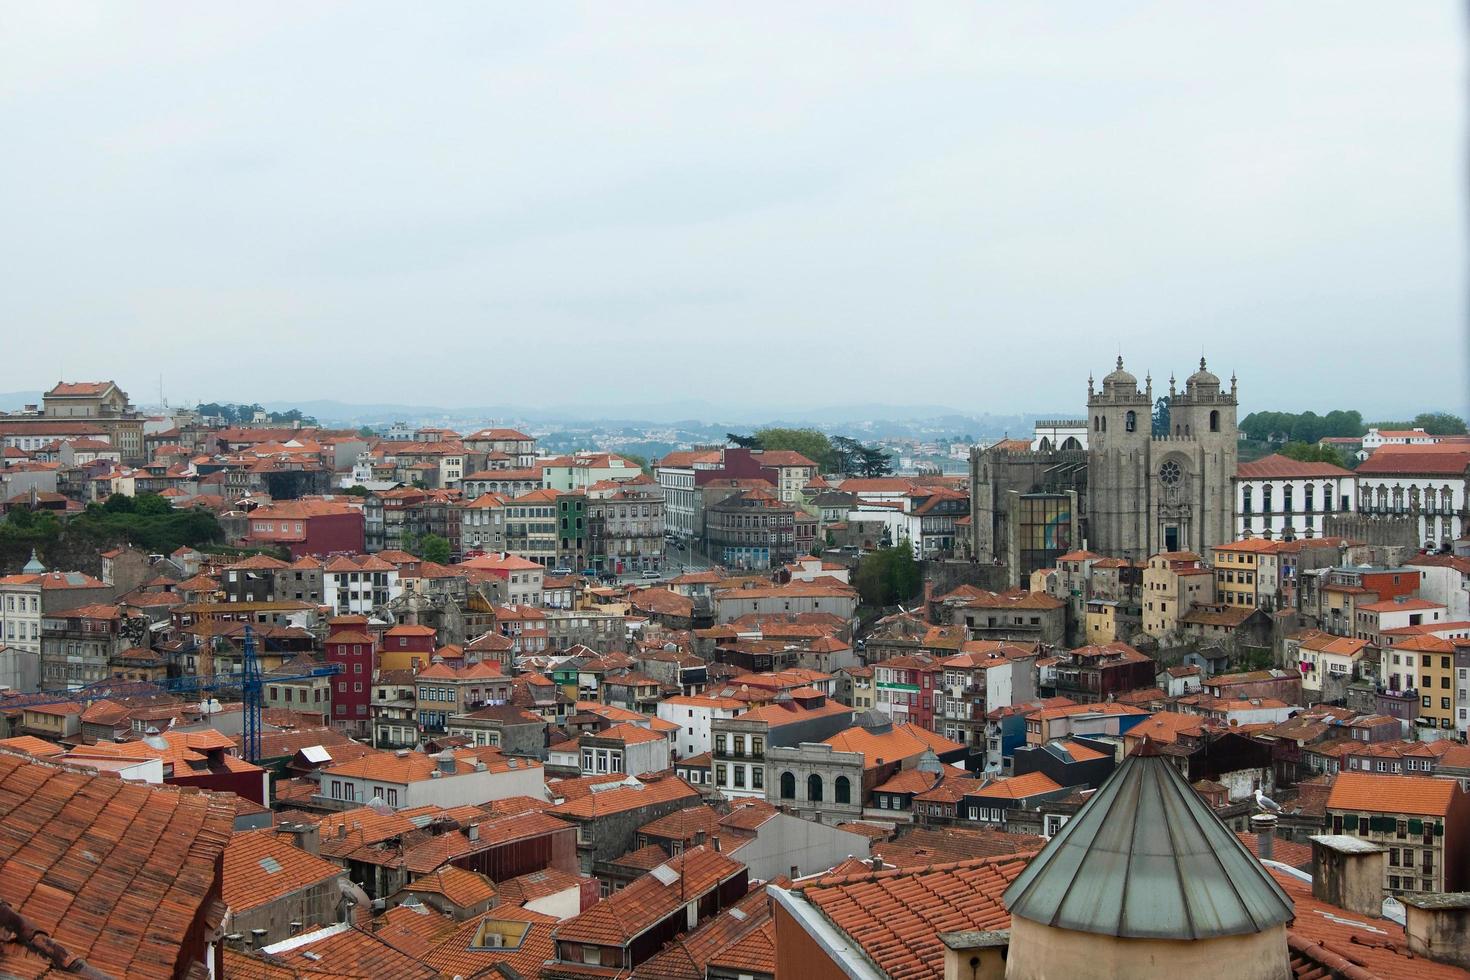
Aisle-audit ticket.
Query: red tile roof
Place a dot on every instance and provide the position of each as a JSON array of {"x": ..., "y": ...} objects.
[
  {"x": 1370, "y": 792},
  {"x": 117, "y": 873},
  {"x": 625, "y": 798},
  {"x": 1279, "y": 467},
  {"x": 462, "y": 888},
  {"x": 896, "y": 916},
  {"x": 616, "y": 920},
  {"x": 262, "y": 866}
]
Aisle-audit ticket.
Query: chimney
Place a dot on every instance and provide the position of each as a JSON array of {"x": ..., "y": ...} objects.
[
  {"x": 1348, "y": 872},
  {"x": 1263, "y": 825},
  {"x": 1438, "y": 926},
  {"x": 306, "y": 836},
  {"x": 473, "y": 831},
  {"x": 975, "y": 954},
  {"x": 446, "y": 762}
]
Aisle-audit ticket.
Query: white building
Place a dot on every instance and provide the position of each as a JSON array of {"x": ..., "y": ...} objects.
[
  {"x": 358, "y": 585},
  {"x": 783, "y": 843},
  {"x": 1377, "y": 438},
  {"x": 624, "y": 748},
  {"x": 693, "y": 714},
  {"x": 581, "y": 470},
  {"x": 1282, "y": 498},
  {"x": 409, "y": 779},
  {"x": 1398, "y": 479},
  {"x": 1058, "y": 434},
  {"x": 1445, "y": 579},
  {"x": 1326, "y": 661},
  {"x": 675, "y": 475}
]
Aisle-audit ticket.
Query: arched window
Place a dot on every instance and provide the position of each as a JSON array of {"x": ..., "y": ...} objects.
[
  {"x": 1328, "y": 503},
  {"x": 814, "y": 788},
  {"x": 842, "y": 790},
  {"x": 1266, "y": 501},
  {"x": 1130, "y": 421},
  {"x": 1286, "y": 498},
  {"x": 1045, "y": 444},
  {"x": 1307, "y": 502},
  {"x": 1245, "y": 502},
  {"x": 788, "y": 786},
  {"x": 1214, "y": 420},
  {"x": 1095, "y": 426},
  {"x": 1071, "y": 444},
  {"x": 1105, "y": 423}
]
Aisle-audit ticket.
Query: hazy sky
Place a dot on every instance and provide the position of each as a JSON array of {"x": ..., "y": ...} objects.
[{"x": 973, "y": 204}]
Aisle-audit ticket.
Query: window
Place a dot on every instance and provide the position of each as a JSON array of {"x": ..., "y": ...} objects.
[
  {"x": 757, "y": 777},
  {"x": 739, "y": 777},
  {"x": 1214, "y": 420},
  {"x": 814, "y": 788},
  {"x": 1130, "y": 421},
  {"x": 842, "y": 790},
  {"x": 721, "y": 774}
]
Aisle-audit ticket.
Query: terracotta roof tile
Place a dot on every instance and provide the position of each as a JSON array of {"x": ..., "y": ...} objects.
[
  {"x": 626, "y": 798},
  {"x": 615, "y": 920},
  {"x": 115, "y": 872},
  {"x": 1392, "y": 794},
  {"x": 897, "y": 916},
  {"x": 461, "y": 887},
  {"x": 262, "y": 866}
]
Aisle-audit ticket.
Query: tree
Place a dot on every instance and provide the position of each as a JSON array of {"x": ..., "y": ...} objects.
[
  {"x": 888, "y": 575},
  {"x": 812, "y": 444},
  {"x": 1161, "y": 416},
  {"x": 874, "y": 462},
  {"x": 846, "y": 454},
  {"x": 434, "y": 548},
  {"x": 640, "y": 461},
  {"x": 367, "y": 432},
  {"x": 356, "y": 490},
  {"x": 1440, "y": 424},
  {"x": 743, "y": 442},
  {"x": 1307, "y": 453}
]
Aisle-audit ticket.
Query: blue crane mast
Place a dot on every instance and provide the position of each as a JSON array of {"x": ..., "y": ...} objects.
[{"x": 249, "y": 681}]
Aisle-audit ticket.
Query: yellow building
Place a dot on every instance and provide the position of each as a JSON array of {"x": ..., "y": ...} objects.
[
  {"x": 1240, "y": 578},
  {"x": 1426, "y": 664},
  {"x": 1102, "y": 622},
  {"x": 1172, "y": 582}
]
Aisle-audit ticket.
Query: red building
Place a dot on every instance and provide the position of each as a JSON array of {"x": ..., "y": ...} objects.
[
  {"x": 349, "y": 646},
  {"x": 308, "y": 527},
  {"x": 906, "y": 688}
]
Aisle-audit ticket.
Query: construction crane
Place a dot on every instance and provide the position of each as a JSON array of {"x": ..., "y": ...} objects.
[{"x": 249, "y": 681}]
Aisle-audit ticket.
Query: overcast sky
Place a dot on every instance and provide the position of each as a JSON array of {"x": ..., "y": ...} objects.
[{"x": 972, "y": 204}]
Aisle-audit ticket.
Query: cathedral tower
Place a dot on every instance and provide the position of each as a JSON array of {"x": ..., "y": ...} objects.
[{"x": 1148, "y": 494}]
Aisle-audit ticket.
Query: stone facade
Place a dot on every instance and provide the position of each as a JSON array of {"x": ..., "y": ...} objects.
[
  {"x": 816, "y": 782},
  {"x": 1149, "y": 494}
]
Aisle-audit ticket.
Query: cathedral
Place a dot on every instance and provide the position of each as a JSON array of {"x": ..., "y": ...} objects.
[
  {"x": 1114, "y": 485},
  {"x": 1152, "y": 493}
]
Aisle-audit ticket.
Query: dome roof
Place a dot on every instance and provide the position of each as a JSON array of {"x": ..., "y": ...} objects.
[
  {"x": 1202, "y": 377},
  {"x": 1146, "y": 858},
  {"x": 1120, "y": 376}
]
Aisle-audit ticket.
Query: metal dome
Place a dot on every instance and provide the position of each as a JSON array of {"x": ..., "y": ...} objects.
[{"x": 1145, "y": 858}]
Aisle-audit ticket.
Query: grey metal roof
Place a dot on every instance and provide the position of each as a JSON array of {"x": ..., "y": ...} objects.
[{"x": 1145, "y": 858}]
